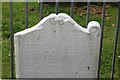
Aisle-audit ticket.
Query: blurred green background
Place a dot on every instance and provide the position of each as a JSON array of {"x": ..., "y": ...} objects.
[{"x": 79, "y": 17}]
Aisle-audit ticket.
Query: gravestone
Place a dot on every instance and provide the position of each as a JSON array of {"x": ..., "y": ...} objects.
[{"x": 58, "y": 47}]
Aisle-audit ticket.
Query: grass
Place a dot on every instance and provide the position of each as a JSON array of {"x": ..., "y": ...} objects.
[{"x": 79, "y": 17}]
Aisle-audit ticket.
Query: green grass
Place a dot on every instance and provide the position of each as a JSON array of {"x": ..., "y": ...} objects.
[{"x": 79, "y": 17}]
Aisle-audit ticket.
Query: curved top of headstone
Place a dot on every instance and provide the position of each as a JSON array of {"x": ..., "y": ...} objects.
[{"x": 93, "y": 27}]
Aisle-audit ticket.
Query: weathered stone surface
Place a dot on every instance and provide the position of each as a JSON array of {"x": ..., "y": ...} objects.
[{"x": 57, "y": 47}]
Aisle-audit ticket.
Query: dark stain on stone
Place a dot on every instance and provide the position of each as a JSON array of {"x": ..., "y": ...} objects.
[
  {"x": 88, "y": 67},
  {"x": 98, "y": 35},
  {"x": 90, "y": 53},
  {"x": 76, "y": 73},
  {"x": 90, "y": 49}
]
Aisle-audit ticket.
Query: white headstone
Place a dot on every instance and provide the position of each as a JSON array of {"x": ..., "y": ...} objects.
[{"x": 57, "y": 47}]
